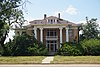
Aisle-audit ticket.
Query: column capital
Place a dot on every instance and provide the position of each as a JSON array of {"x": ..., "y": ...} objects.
[
  {"x": 41, "y": 28},
  {"x": 66, "y": 28},
  {"x": 60, "y": 28},
  {"x": 35, "y": 28}
]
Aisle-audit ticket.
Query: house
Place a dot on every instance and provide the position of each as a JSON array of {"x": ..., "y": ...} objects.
[{"x": 52, "y": 31}]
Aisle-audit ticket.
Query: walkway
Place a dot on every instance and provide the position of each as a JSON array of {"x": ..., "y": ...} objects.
[
  {"x": 48, "y": 59},
  {"x": 49, "y": 65}
]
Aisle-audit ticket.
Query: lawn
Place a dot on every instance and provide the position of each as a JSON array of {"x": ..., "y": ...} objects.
[
  {"x": 77, "y": 59},
  {"x": 21, "y": 60}
]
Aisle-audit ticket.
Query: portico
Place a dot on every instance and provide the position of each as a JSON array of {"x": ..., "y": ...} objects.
[{"x": 51, "y": 38}]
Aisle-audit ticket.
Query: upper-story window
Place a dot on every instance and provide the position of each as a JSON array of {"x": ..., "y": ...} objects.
[
  {"x": 70, "y": 33},
  {"x": 51, "y": 33},
  {"x": 52, "y": 21}
]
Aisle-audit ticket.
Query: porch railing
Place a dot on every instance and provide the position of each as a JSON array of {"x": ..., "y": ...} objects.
[{"x": 51, "y": 37}]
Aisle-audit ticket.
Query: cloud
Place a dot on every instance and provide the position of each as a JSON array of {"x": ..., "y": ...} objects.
[{"x": 71, "y": 10}]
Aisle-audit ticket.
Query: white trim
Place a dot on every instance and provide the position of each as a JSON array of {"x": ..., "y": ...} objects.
[
  {"x": 49, "y": 26},
  {"x": 60, "y": 35},
  {"x": 67, "y": 35},
  {"x": 35, "y": 32},
  {"x": 41, "y": 34}
]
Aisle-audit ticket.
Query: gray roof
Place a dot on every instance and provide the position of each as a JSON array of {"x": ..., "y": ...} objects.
[{"x": 56, "y": 20}]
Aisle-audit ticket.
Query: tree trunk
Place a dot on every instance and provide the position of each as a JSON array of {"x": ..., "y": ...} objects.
[{"x": 3, "y": 38}]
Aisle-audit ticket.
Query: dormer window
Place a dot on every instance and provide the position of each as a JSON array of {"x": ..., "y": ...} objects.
[
  {"x": 54, "y": 20},
  {"x": 57, "y": 20},
  {"x": 48, "y": 21},
  {"x": 51, "y": 20}
]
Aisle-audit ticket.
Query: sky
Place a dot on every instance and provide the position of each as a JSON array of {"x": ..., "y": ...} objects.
[{"x": 71, "y": 10}]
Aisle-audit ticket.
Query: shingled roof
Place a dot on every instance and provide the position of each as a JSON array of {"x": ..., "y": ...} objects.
[{"x": 55, "y": 20}]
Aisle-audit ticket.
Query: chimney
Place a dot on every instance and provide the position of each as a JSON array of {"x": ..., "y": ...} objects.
[
  {"x": 45, "y": 16},
  {"x": 59, "y": 15}
]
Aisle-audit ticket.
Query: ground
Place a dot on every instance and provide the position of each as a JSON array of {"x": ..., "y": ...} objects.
[
  {"x": 56, "y": 60},
  {"x": 21, "y": 59},
  {"x": 77, "y": 59}
]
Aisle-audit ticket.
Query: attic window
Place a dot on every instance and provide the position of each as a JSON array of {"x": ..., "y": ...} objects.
[
  {"x": 48, "y": 20},
  {"x": 51, "y": 20},
  {"x": 54, "y": 20},
  {"x": 57, "y": 20}
]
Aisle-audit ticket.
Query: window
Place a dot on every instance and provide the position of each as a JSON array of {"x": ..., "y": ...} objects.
[
  {"x": 54, "y": 20},
  {"x": 23, "y": 32},
  {"x": 18, "y": 32},
  {"x": 51, "y": 33},
  {"x": 51, "y": 21},
  {"x": 48, "y": 21},
  {"x": 70, "y": 33}
]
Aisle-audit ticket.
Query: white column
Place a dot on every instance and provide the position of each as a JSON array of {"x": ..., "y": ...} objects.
[
  {"x": 35, "y": 32},
  {"x": 60, "y": 35},
  {"x": 41, "y": 34},
  {"x": 67, "y": 35}
]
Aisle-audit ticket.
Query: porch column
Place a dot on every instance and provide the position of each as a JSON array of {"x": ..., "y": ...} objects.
[
  {"x": 41, "y": 34},
  {"x": 35, "y": 32},
  {"x": 60, "y": 35},
  {"x": 67, "y": 35}
]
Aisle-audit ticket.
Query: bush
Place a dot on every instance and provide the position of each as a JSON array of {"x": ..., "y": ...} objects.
[
  {"x": 37, "y": 51},
  {"x": 69, "y": 50},
  {"x": 24, "y": 45},
  {"x": 91, "y": 47}
]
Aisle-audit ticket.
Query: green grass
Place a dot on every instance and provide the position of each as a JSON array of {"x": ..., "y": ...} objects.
[
  {"x": 21, "y": 60},
  {"x": 77, "y": 59}
]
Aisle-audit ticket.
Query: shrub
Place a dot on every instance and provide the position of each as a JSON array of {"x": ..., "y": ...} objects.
[
  {"x": 91, "y": 47},
  {"x": 24, "y": 45},
  {"x": 37, "y": 51},
  {"x": 69, "y": 50}
]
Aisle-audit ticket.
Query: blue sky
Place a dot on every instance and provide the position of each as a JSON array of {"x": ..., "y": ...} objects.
[{"x": 72, "y": 10}]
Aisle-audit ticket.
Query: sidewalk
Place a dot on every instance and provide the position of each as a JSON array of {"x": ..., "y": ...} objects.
[
  {"x": 48, "y": 59},
  {"x": 49, "y": 65}
]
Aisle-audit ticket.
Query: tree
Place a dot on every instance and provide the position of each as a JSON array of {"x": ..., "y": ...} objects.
[
  {"x": 90, "y": 29},
  {"x": 23, "y": 45},
  {"x": 91, "y": 47},
  {"x": 9, "y": 14}
]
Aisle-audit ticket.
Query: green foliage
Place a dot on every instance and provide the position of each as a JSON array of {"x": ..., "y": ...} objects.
[
  {"x": 9, "y": 14},
  {"x": 89, "y": 30},
  {"x": 91, "y": 47},
  {"x": 36, "y": 51},
  {"x": 24, "y": 45},
  {"x": 69, "y": 50}
]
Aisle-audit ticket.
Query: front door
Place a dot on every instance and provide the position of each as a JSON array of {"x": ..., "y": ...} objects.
[
  {"x": 52, "y": 49},
  {"x": 52, "y": 45}
]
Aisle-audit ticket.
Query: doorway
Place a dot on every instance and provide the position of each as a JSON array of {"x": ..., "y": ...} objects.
[{"x": 51, "y": 45}]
